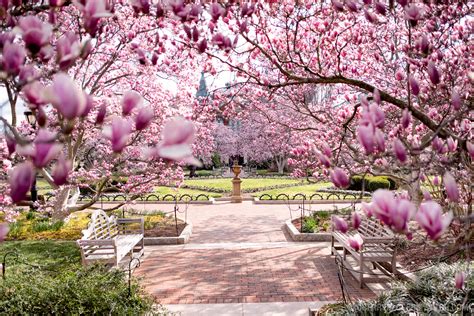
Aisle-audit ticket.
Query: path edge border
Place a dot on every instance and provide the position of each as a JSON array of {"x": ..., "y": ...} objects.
[{"x": 183, "y": 238}]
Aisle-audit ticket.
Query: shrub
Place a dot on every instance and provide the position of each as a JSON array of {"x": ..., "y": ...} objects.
[
  {"x": 216, "y": 160},
  {"x": 433, "y": 293},
  {"x": 393, "y": 183},
  {"x": 371, "y": 183},
  {"x": 87, "y": 291},
  {"x": 204, "y": 173},
  {"x": 376, "y": 183},
  {"x": 309, "y": 225},
  {"x": 356, "y": 183}
]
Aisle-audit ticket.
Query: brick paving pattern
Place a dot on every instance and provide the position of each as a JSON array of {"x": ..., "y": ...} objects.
[
  {"x": 290, "y": 274},
  {"x": 261, "y": 273}
]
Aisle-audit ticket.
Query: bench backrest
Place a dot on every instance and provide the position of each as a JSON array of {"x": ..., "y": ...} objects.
[
  {"x": 101, "y": 226},
  {"x": 372, "y": 228}
]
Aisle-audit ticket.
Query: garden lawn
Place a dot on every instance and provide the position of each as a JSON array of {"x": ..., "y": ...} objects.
[
  {"x": 52, "y": 256},
  {"x": 225, "y": 184},
  {"x": 173, "y": 191},
  {"x": 307, "y": 190}
]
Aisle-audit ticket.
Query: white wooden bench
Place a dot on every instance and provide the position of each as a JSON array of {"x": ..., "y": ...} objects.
[
  {"x": 378, "y": 249},
  {"x": 110, "y": 239}
]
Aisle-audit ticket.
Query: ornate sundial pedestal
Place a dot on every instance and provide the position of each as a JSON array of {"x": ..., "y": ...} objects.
[{"x": 236, "y": 181}]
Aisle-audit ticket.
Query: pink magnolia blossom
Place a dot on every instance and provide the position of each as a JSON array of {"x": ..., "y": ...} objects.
[
  {"x": 27, "y": 74},
  {"x": 35, "y": 94},
  {"x": 380, "y": 8},
  {"x": 377, "y": 114},
  {"x": 459, "y": 280},
  {"x": 452, "y": 190},
  {"x": 452, "y": 144},
  {"x": 216, "y": 11},
  {"x": 356, "y": 242},
  {"x": 202, "y": 46},
  {"x": 426, "y": 195},
  {"x": 367, "y": 208},
  {"x": 433, "y": 73},
  {"x": 456, "y": 101},
  {"x": 339, "y": 224},
  {"x": 20, "y": 181},
  {"x": 324, "y": 160},
  {"x": 400, "y": 150},
  {"x": 143, "y": 118},
  {"x": 11, "y": 143},
  {"x": 142, "y": 6},
  {"x": 178, "y": 135},
  {"x": 130, "y": 100},
  {"x": 352, "y": 5},
  {"x": 402, "y": 2},
  {"x": 470, "y": 149},
  {"x": 13, "y": 58},
  {"x": 101, "y": 114},
  {"x": 66, "y": 96},
  {"x": 413, "y": 13},
  {"x": 93, "y": 11},
  {"x": 327, "y": 151},
  {"x": 61, "y": 171},
  {"x": 36, "y": 33},
  {"x": 380, "y": 140},
  {"x": 394, "y": 212},
  {"x": 436, "y": 181},
  {"x": 337, "y": 5},
  {"x": 377, "y": 98},
  {"x": 430, "y": 218},
  {"x": 68, "y": 50},
  {"x": 414, "y": 86},
  {"x": 437, "y": 144},
  {"x": 118, "y": 133},
  {"x": 356, "y": 220},
  {"x": 406, "y": 118},
  {"x": 366, "y": 137},
  {"x": 371, "y": 17},
  {"x": 43, "y": 150},
  {"x": 339, "y": 178}
]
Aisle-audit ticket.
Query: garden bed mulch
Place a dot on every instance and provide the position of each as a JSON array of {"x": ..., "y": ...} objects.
[
  {"x": 421, "y": 252},
  {"x": 167, "y": 229}
]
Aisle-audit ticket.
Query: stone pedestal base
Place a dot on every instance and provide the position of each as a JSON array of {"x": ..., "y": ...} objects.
[{"x": 236, "y": 194}]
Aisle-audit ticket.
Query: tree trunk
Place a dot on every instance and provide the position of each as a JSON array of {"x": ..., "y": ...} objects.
[
  {"x": 60, "y": 209},
  {"x": 281, "y": 163}
]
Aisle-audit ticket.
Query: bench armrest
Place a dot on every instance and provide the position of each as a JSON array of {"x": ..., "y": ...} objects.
[
  {"x": 95, "y": 242},
  {"x": 122, "y": 224}
]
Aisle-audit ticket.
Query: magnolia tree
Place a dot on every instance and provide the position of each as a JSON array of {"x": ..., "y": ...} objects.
[
  {"x": 400, "y": 73},
  {"x": 403, "y": 74},
  {"x": 254, "y": 137},
  {"x": 89, "y": 71}
]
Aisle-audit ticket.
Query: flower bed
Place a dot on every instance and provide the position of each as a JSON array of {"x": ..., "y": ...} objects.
[
  {"x": 36, "y": 226},
  {"x": 313, "y": 227}
]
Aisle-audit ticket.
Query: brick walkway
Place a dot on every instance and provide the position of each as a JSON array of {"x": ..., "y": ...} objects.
[
  {"x": 219, "y": 267},
  {"x": 289, "y": 274}
]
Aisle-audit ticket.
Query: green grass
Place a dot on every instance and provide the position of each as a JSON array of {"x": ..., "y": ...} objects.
[
  {"x": 247, "y": 184},
  {"x": 308, "y": 189},
  {"x": 168, "y": 190},
  {"x": 51, "y": 256}
]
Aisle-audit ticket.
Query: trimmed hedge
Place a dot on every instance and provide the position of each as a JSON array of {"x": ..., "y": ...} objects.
[{"x": 371, "y": 183}]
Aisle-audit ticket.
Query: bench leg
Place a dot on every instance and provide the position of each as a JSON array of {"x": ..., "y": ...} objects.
[{"x": 332, "y": 245}]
